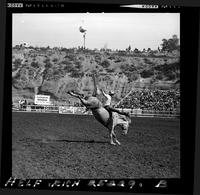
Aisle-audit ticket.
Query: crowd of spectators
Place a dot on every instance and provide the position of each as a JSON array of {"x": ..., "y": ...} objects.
[{"x": 156, "y": 100}]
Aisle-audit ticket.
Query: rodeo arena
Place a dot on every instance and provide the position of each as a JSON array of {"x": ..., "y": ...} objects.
[{"x": 52, "y": 140}]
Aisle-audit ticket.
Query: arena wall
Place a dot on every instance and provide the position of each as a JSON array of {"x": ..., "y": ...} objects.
[{"x": 81, "y": 110}]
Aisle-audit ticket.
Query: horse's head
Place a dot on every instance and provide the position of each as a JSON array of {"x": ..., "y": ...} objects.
[
  {"x": 125, "y": 125},
  {"x": 125, "y": 128},
  {"x": 122, "y": 121}
]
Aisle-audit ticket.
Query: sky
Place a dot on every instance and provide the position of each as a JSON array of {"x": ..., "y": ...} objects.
[{"x": 111, "y": 30}]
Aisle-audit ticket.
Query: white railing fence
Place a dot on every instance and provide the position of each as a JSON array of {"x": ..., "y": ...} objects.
[{"x": 68, "y": 109}]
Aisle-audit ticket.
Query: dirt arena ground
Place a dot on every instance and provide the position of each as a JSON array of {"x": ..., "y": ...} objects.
[{"x": 53, "y": 146}]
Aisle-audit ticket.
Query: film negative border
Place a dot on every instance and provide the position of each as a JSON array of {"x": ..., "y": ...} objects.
[{"x": 126, "y": 185}]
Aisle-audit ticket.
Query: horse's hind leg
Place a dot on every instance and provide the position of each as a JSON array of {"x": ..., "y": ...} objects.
[
  {"x": 115, "y": 138},
  {"x": 83, "y": 101},
  {"x": 111, "y": 135},
  {"x": 111, "y": 139}
]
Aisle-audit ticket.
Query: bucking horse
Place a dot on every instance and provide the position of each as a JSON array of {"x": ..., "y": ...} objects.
[{"x": 107, "y": 119}]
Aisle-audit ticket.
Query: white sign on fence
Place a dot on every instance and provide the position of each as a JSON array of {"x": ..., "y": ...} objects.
[
  {"x": 66, "y": 110},
  {"x": 136, "y": 111},
  {"x": 42, "y": 99},
  {"x": 132, "y": 111}
]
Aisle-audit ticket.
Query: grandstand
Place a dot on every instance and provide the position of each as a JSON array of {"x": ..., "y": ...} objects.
[{"x": 153, "y": 100}]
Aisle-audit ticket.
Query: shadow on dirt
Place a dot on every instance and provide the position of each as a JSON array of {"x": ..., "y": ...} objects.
[
  {"x": 72, "y": 141},
  {"x": 82, "y": 141}
]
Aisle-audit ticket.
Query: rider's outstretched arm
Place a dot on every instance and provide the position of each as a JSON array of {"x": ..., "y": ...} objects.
[{"x": 106, "y": 95}]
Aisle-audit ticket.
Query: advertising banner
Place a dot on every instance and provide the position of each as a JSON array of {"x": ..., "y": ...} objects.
[
  {"x": 66, "y": 110},
  {"x": 42, "y": 99}
]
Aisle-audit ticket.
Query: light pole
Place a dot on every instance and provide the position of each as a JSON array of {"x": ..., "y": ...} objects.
[
  {"x": 82, "y": 30},
  {"x": 84, "y": 40}
]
